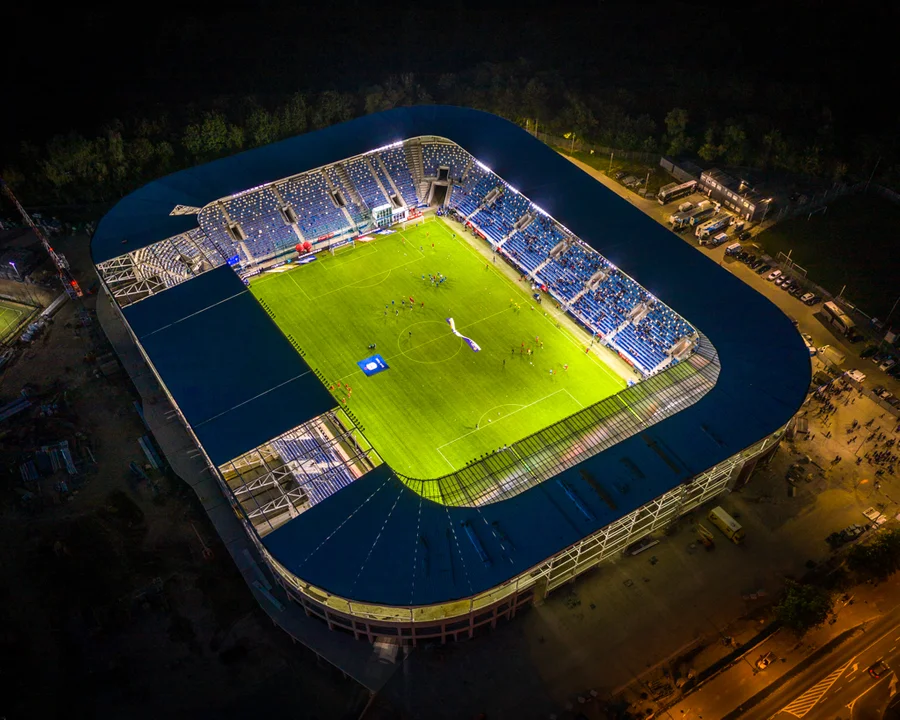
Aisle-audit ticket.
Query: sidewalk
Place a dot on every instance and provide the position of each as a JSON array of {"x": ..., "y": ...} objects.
[{"x": 738, "y": 683}]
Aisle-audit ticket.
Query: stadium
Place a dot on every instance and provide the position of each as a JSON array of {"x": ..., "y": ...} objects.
[{"x": 438, "y": 371}]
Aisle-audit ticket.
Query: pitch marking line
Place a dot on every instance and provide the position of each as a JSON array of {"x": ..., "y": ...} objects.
[
  {"x": 521, "y": 408},
  {"x": 452, "y": 467},
  {"x": 803, "y": 704}
]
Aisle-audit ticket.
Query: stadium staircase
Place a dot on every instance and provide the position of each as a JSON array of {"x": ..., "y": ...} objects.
[
  {"x": 466, "y": 170},
  {"x": 575, "y": 299},
  {"x": 505, "y": 238},
  {"x": 333, "y": 190},
  {"x": 533, "y": 273},
  {"x": 387, "y": 195},
  {"x": 283, "y": 203},
  {"x": 344, "y": 177},
  {"x": 417, "y": 169},
  {"x": 387, "y": 174}
]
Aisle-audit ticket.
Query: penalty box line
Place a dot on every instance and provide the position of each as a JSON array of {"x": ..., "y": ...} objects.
[{"x": 521, "y": 408}]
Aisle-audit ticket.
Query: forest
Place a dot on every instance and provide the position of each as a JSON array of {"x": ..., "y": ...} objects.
[{"x": 174, "y": 95}]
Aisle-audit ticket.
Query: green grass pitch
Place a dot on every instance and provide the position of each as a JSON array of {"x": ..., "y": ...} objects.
[
  {"x": 440, "y": 404},
  {"x": 11, "y": 317}
]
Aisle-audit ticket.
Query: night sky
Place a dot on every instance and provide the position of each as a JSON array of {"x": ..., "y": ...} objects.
[{"x": 68, "y": 68}]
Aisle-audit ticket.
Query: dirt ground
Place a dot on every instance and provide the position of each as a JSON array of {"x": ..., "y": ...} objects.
[{"x": 112, "y": 606}]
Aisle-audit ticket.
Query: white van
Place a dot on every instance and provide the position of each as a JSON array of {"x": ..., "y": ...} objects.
[
  {"x": 685, "y": 206},
  {"x": 733, "y": 249}
]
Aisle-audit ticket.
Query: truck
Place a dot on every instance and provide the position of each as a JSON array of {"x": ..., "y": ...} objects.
[
  {"x": 831, "y": 355},
  {"x": 702, "y": 216},
  {"x": 730, "y": 527},
  {"x": 711, "y": 226},
  {"x": 682, "y": 218}
]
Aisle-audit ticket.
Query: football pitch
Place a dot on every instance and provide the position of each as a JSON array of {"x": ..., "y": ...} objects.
[
  {"x": 439, "y": 404},
  {"x": 11, "y": 316}
]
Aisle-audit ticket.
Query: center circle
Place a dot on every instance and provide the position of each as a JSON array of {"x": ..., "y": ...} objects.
[{"x": 428, "y": 342}]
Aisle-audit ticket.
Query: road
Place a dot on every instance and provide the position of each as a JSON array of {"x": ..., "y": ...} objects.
[{"x": 839, "y": 686}]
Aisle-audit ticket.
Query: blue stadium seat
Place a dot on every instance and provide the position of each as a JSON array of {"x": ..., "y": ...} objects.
[
  {"x": 365, "y": 183},
  {"x": 259, "y": 216},
  {"x": 317, "y": 215},
  {"x": 566, "y": 274},
  {"x": 398, "y": 166},
  {"x": 467, "y": 197},
  {"x": 437, "y": 155},
  {"x": 356, "y": 212}
]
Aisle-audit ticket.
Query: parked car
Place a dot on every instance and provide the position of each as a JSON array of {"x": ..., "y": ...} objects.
[
  {"x": 744, "y": 235},
  {"x": 619, "y": 174},
  {"x": 809, "y": 296},
  {"x": 854, "y": 335},
  {"x": 879, "y": 669},
  {"x": 887, "y": 364},
  {"x": 797, "y": 291},
  {"x": 869, "y": 351},
  {"x": 765, "y": 660},
  {"x": 774, "y": 275},
  {"x": 814, "y": 300}
]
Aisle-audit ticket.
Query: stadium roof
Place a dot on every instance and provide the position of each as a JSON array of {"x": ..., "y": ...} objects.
[{"x": 376, "y": 540}]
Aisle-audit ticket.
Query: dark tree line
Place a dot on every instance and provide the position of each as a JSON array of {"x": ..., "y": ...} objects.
[{"x": 74, "y": 170}]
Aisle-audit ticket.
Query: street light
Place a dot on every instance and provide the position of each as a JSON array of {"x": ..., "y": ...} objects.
[
  {"x": 891, "y": 313},
  {"x": 768, "y": 202},
  {"x": 16, "y": 269}
]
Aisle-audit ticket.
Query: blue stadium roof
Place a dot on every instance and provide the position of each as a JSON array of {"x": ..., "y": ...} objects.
[{"x": 377, "y": 541}]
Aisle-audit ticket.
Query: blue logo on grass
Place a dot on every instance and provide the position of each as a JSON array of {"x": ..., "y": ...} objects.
[{"x": 372, "y": 365}]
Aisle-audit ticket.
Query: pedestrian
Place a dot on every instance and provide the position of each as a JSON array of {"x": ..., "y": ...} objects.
[
  {"x": 504, "y": 362},
  {"x": 410, "y": 333},
  {"x": 392, "y": 302},
  {"x": 566, "y": 367},
  {"x": 422, "y": 306}
]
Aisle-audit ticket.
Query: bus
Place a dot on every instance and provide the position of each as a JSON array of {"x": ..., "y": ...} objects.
[
  {"x": 730, "y": 527},
  {"x": 838, "y": 318},
  {"x": 673, "y": 192}
]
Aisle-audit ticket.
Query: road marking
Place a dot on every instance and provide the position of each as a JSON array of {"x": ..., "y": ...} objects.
[
  {"x": 803, "y": 704},
  {"x": 892, "y": 649},
  {"x": 853, "y": 701}
]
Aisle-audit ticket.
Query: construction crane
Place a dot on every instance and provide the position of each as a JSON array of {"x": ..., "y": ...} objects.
[{"x": 70, "y": 284}]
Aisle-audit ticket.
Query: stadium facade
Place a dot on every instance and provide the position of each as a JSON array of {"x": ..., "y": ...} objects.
[{"x": 353, "y": 542}]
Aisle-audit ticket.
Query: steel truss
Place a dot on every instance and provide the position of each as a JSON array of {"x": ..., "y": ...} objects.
[
  {"x": 272, "y": 489},
  {"x": 152, "y": 269}
]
